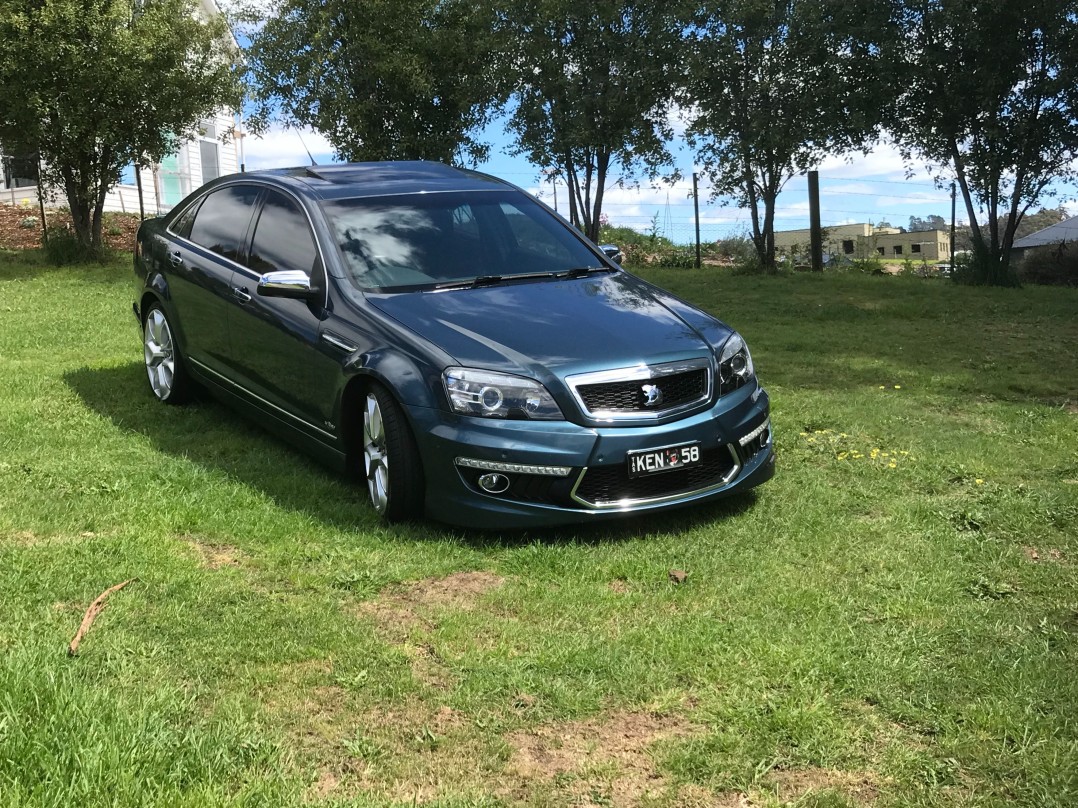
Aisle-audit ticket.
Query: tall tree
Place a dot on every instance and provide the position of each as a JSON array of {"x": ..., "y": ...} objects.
[
  {"x": 381, "y": 79},
  {"x": 1045, "y": 217},
  {"x": 775, "y": 86},
  {"x": 991, "y": 95},
  {"x": 591, "y": 92},
  {"x": 930, "y": 222},
  {"x": 92, "y": 87}
]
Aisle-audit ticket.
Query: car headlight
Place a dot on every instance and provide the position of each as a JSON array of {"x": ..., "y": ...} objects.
[
  {"x": 498, "y": 395},
  {"x": 735, "y": 365}
]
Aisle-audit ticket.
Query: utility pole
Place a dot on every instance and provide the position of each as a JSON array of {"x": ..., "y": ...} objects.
[
  {"x": 952, "y": 226},
  {"x": 815, "y": 234},
  {"x": 696, "y": 212},
  {"x": 554, "y": 189}
]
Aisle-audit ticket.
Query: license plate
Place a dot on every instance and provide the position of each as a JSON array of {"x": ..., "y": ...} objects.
[{"x": 669, "y": 458}]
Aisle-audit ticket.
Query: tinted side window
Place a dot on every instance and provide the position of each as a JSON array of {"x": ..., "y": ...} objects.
[
  {"x": 182, "y": 225},
  {"x": 221, "y": 222},
  {"x": 282, "y": 238}
]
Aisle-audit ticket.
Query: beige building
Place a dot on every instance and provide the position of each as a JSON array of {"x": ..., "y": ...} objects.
[{"x": 865, "y": 241}]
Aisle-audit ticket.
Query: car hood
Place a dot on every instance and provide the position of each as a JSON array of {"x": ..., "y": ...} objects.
[{"x": 557, "y": 327}]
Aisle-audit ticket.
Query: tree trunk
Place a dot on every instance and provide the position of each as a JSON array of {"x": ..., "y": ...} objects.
[{"x": 602, "y": 165}]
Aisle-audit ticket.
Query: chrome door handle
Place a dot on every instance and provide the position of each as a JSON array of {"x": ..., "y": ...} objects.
[
  {"x": 241, "y": 294},
  {"x": 175, "y": 258}
]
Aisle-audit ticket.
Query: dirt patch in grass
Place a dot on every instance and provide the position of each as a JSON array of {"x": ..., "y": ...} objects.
[
  {"x": 401, "y": 610},
  {"x": 1034, "y": 555},
  {"x": 401, "y": 607},
  {"x": 212, "y": 555},
  {"x": 792, "y": 785},
  {"x": 604, "y": 760}
]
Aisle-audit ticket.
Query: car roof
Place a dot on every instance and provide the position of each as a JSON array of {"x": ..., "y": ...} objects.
[{"x": 350, "y": 180}]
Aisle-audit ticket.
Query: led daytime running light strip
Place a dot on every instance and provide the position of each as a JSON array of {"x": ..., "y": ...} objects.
[
  {"x": 514, "y": 468},
  {"x": 764, "y": 427}
]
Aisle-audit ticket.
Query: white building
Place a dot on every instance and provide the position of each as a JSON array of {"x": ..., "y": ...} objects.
[{"x": 215, "y": 151}]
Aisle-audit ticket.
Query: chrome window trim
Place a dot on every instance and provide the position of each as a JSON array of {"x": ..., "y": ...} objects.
[
  {"x": 259, "y": 398},
  {"x": 630, "y": 504},
  {"x": 642, "y": 373}
]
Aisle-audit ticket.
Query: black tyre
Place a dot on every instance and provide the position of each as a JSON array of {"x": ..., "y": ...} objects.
[
  {"x": 391, "y": 461},
  {"x": 165, "y": 368}
]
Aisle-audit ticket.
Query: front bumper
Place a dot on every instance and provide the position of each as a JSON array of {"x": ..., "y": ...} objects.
[{"x": 582, "y": 475}]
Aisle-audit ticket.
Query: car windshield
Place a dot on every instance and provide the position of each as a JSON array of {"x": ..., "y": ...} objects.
[{"x": 445, "y": 239}]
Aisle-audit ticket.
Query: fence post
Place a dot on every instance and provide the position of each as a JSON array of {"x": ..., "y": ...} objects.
[{"x": 696, "y": 214}]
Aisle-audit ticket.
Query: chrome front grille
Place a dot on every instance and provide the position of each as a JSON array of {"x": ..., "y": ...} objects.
[{"x": 645, "y": 391}]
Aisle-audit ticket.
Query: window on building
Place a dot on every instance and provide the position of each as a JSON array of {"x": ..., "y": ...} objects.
[
  {"x": 127, "y": 176},
  {"x": 847, "y": 246},
  {"x": 880, "y": 250},
  {"x": 915, "y": 248},
  {"x": 898, "y": 249},
  {"x": 208, "y": 152}
]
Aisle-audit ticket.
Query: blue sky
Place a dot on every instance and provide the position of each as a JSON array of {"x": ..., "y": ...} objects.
[{"x": 873, "y": 187}]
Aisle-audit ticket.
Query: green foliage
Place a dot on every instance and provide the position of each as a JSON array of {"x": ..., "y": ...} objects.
[
  {"x": 1051, "y": 266},
  {"x": 1045, "y": 217},
  {"x": 776, "y": 86},
  {"x": 590, "y": 91},
  {"x": 739, "y": 248},
  {"x": 383, "y": 79},
  {"x": 931, "y": 222},
  {"x": 623, "y": 236},
  {"x": 63, "y": 248},
  {"x": 1001, "y": 79},
  {"x": 93, "y": 87}
]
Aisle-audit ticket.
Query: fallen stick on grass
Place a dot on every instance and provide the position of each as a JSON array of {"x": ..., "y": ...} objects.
[{"x": 91, "y": 613}]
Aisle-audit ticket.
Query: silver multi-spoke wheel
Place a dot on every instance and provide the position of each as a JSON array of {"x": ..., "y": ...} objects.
[
  {"x": 160, "y": 354},
  {"x": 397, "y": 489},
  {"x": 375, "y": 455}
]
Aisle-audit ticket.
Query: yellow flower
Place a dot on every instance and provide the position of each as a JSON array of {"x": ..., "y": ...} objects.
[
  {"x": 804, "y": 434},
  {"x": 882, "y": 387},
  {"x": 892, "y": 465},
  {"x": 898, "y": 386},
  {"x": 842, "y": 455},
  {"x": 979, "y": 481}
]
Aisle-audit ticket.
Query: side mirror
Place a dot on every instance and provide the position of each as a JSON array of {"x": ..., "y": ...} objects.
[
  {"x": 612, "y": 252},
  {"x": 291, "y": 283}
]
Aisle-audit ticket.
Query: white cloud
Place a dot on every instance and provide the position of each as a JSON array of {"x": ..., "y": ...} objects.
[{"x": 281, "y": 147}]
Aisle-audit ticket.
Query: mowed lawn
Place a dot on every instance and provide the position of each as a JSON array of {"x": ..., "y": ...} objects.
[{"x": 893, "y": 620}]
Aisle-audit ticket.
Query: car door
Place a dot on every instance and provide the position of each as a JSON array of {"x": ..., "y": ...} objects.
[
  {"x": 202, "y": 261},
  {"x": 276, "y": 353}
]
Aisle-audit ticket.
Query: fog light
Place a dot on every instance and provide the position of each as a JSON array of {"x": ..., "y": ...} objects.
[{"x": 493, "y": 483}]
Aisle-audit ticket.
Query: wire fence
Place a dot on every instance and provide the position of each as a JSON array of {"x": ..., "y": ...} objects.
[{"x": 667, "y": 211}]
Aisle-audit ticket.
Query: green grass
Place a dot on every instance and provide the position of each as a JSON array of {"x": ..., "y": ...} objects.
[{"x": 871, "y": 627}]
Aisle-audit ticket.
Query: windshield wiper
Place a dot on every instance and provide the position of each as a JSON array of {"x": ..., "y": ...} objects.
[
  {"x": 580, "y": 272},
  {"x": 493, "y": 280}
]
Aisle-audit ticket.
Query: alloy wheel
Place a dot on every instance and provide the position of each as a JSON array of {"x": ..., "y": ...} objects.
[
  {"x": 160, "y": 354},
  {"x": 375, "y": 456}
]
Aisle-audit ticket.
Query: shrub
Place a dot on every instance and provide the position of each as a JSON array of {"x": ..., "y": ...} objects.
[
  {"x": 1053, "y": 266},
  {"x": 29, "y": 223},
  {"x": 63, "y": 248}
]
